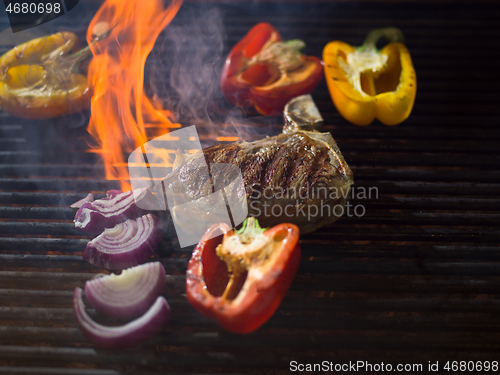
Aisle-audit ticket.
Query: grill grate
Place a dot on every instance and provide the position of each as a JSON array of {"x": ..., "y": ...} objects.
[{"x": 413, "y": 280}]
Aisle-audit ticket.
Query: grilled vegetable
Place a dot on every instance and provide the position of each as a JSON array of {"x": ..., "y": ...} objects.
[
  {"x": 129, "y": 294},
  {"x": 241, "y": 281},
  {"x": 39, "y": 79},
  {"x": 94, "y": 217},
  {"x": 263, "y": 71},
  {"x": 133, "y": 333},
  {"x": 81, "y": 202},
  {"x": 366, "y": 83},
  {"x": 126, "y": 245}
]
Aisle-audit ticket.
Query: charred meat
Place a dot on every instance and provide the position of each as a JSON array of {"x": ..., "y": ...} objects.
[{"x": 298, "y": 177}]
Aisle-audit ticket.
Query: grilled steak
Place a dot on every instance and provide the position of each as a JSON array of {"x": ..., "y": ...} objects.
[{"x": 298, "y": 177}]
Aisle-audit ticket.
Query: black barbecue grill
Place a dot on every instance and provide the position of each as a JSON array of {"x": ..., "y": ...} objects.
[{"x": 415, "y": 279}]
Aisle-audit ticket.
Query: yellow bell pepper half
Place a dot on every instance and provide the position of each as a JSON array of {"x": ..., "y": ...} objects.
[
  {"x": 40, "y": 79},
  {"x": 367, "y": 84}
]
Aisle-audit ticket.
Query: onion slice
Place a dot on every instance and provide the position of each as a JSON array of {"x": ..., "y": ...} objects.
[
  {"x": 133, "y": 333},
  {"x": 125, "y": 245},
  {"x": 129, "y": 294},
  {"x": 88, "y": 198},
  {"x": 113, "y": 193},
  {"x": 94, "y": 217}
]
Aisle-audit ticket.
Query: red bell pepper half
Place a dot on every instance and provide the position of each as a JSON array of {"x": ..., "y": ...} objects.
[
  {"x": 240, "y": 278},
  {"x": 265, "y": 72}
]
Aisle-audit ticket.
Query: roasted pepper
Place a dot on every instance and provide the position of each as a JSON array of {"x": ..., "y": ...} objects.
[
  {"x": 239, "y": 278},
  {"x": 366, "y": 83},
  {"x": 39, "y": 79},
  {"x": 263, "y": 71}
]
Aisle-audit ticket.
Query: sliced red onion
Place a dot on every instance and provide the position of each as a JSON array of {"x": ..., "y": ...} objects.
[
  {"x": 129, "y": 294},
  {"x": 113, "y": 193},
  {"x": 133, "y": 333},
  {"x": 125, "y": 245},
  {"x": 88, "y": 198},
  {"x": 93, "y": 217}
]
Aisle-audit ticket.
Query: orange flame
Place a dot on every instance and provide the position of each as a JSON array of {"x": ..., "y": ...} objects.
[{"x": 120, "y": 110}]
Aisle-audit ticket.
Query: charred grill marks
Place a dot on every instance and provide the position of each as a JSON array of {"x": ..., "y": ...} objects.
[{"x": 276, "y": 166}]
